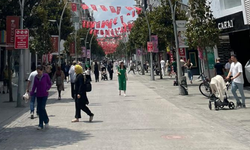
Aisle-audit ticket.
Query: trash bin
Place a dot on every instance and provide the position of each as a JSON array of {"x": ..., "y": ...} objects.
[{"x": 183, "y": 86}]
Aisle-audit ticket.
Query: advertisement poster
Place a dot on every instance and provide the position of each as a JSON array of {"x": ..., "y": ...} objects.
[
  {"x": 12, "y": 23},
  {"x": 181, "y": 33},
  {"x": 154, "y": 39},
  {"x": 72, "y": 49},
  {"x": 54, "y": 41},
  {"x": 83, "y": 52}
]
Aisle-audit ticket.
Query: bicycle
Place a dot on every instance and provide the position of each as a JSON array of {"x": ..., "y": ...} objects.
[{"x": 204, "y": 87}]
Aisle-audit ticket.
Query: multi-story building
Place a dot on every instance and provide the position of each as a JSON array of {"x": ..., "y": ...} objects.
[{"x": 233, "y": 19}]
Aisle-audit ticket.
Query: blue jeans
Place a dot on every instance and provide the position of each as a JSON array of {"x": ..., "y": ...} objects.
[
  {"x": 234, "y": 88},
  {"x": 41, "y": 104},
  {"x": 190, "y": 75},
  {"x": 32, "y": 104}
]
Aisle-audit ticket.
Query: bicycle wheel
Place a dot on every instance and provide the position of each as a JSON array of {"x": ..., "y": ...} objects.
[{"x": 205, "y": 89}]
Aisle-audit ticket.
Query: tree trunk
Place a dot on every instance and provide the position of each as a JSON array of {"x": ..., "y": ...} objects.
[{"x": 10, "y": 75}]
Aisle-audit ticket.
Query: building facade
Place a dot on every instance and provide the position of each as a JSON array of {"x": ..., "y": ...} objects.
[{"x": 232, "y": 18}]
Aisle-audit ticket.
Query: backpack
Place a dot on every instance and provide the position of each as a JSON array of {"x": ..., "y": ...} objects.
[{"x": 88, "y": 86}]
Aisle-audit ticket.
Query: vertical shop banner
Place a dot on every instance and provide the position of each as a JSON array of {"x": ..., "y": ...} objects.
[
  {"x": 182, "y": 53},
  {"x": 83, "y": 51},
  {"x": 88, "y": 53},
  {"x": 150, "y": 46},
  {"x": 154, "y": 39},
  {"x": 73, "y": 7},
  {"x": 54, "y": 41},
  {"x": 12, "y": 23},
  {"x": 181, "y": 33},
  {"x": 72, "y": 49}
]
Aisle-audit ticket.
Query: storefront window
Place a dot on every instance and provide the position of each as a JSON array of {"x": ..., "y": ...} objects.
[{"x": 227, "y": 4}]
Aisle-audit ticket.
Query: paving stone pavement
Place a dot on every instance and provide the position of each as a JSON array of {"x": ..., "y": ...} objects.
[{"x": 152, "y": 117}]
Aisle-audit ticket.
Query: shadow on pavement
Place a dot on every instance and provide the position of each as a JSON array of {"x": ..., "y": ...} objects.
[{"x": 30, "y": 138}]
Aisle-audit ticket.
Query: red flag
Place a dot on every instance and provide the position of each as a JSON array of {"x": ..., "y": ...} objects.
[
  {"x": 107, "y": 32},
  {"x": 112, "y": 32},
  {"x": 88, "y": 24},
  {"x": 107, "y": 23},
  {"x": 128, "y": 14},
  {"x": 102, "y": 33},
  {"x": 84, "y": 24},
  {"x": 110, "y": 23},
  {"x": 84, "y": 6},
  {"x": 93, "y": 7},
  {"x": 115, "y": 20},
  {"x": 103, "y": 24},
  {"x": 129, "y": 8},
  {"x": 91, "y": 31},
  {"x": 98, "y": 24},
  {"x": 103, "y": 8},
  {"x": 121, "y": 18},
  {"x": 112, "y": 8},
  {"x": 133, "y": 13},
  {"x": 93, "y": 24},
  {"x": 118, "y": 10},
  {"x": 73, "y": 6},
  {"x": 116, "y": 32},
  {"x": 138, "y": 10}
]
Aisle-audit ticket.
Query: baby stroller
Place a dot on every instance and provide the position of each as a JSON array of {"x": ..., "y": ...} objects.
[
  {"x": 218, "y": 94},
  {"x": 104, "y": 74}
]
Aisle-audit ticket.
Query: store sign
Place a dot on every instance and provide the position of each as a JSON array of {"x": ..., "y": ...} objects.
[
  {"x": 231, "y": 23},
  {"x": 226, "y": 25}
]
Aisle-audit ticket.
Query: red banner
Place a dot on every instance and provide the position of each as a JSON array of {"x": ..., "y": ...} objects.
[
  {"x": 110, "y": 23},
  {"x": 54, "y": 41},
  {"x": 72, "y": 49},
  {"x": 93, "y": 7},
  {"x": 118, "y": 10},
  {"x": 150, "y": 46},
  {"x": 112, "y": 9},
  {"x": 138, "y": 10},
  {"x": 91, "y": 31},
  {"x": 103, "y": 8},
  {"x": 12, "y": 23},
  {"x": 73, "y": 6},
  {"x": 121, "y": 19},
  {"x": 93, "y": 24},
  {"x": 84, "y": 6},
  {"x": 84, "y": 24},
  {"x": 128, "y": 14}
]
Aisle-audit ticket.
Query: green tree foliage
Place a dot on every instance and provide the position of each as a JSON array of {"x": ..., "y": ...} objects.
[{"x": 201, "y": 28}]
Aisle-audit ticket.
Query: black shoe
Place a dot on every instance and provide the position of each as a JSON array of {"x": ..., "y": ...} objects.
[
  {"x": 238, "y": 105},
  {"x": 243, "y": 106},
  {"x": 3, "y": 92},
  {"x": 91, "y": 118}
]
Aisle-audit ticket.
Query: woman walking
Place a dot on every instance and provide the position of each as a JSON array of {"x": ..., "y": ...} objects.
[
  {"x": 59, "y": 78},
  {"x": 81, "y": 99},
  {"x": 96, "y": 71},
  {"x": 41, "y": 85},
  {"x": 189, "y": 65},
  {"x": 122, "y": 78}
]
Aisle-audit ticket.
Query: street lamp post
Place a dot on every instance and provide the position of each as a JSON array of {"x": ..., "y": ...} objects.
[
  {"x": 21, "y": 63},
  {"x": 182, "y": 90}
]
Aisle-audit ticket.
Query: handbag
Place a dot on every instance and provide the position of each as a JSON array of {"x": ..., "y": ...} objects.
[{"x": 88, "y": 86}]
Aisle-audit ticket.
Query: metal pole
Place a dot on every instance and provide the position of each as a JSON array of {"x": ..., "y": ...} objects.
[
  {"x": 151, "y": 53},
  {"x": 76, "y": 47},
  {"x": 86, "y": 42},
  {"x": 173, "y": 8},
  {"x": 20, "y": 90},
  {"x": 91, "y": 47},
  {"x": 59, "y": 33}
]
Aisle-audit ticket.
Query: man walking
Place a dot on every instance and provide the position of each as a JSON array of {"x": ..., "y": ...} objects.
[
  {"x": 33, "y": 97},
  {"x": 237, "y": 77},
  {"x": 72, "y": 78},
  {"x": 163, "y": 67}
]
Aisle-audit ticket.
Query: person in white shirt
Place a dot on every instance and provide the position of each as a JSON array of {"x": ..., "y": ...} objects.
[
  {"x": 236, "y": 74},
  {"x": 33, "y": 97},
  {"x": 163, "y": 67},
  {"x": 182, "y": 62},
  {"x": 72, "y": 78}
]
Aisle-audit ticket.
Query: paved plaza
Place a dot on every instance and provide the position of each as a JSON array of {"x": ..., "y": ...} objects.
[{"x": 151, "y": 117}]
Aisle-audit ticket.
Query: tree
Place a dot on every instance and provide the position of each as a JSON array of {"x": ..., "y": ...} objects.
[{"x": 201, "y": 28}]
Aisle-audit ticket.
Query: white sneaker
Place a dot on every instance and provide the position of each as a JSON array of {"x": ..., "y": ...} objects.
[
  {"x": 125, "y": 95},
  {"x": 39, "y": 128}
]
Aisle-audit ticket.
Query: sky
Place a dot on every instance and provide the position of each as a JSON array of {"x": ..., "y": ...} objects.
[{"x": 102, "y": 15}]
